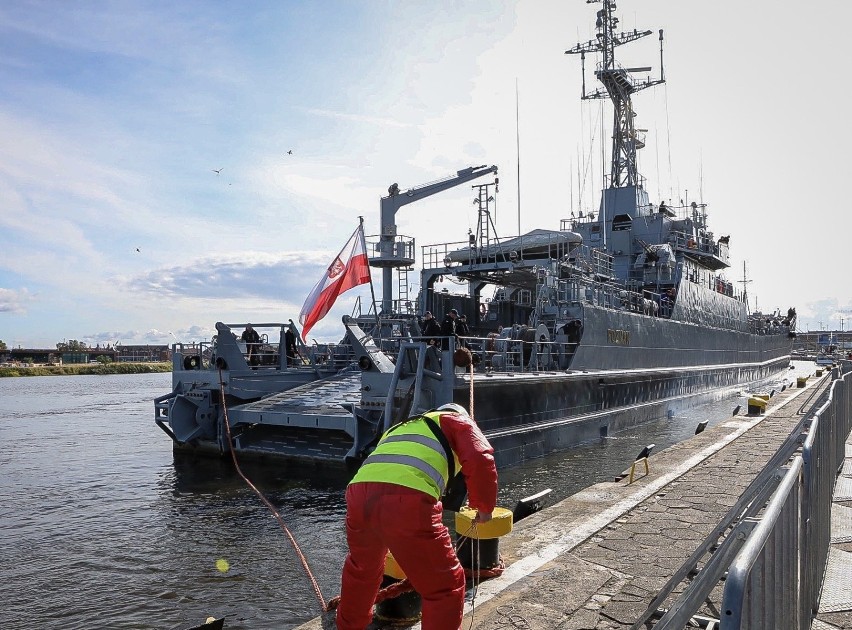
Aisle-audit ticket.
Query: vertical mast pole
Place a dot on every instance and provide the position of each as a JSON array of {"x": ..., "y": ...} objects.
[
  {"x": 518, "y": 148},
  {"x": 372, "y": 289}
]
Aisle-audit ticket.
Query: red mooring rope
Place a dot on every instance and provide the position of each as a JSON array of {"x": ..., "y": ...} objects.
[{"x": 266, "y": 502}]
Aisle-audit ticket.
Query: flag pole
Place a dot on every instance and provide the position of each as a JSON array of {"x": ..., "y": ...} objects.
[{"x": 372, "y": 289}]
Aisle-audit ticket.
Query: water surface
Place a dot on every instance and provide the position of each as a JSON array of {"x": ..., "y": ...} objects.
[{"x": 102, "y": 527}]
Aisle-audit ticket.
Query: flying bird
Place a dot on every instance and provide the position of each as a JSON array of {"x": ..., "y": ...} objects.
[
  {"x": 138, "y": 250},
  {"x": 290, "y": 152},
  {"x": 217, "y": 170}
]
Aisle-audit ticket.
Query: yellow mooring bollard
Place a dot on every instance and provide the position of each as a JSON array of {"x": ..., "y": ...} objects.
[
  {"x": 801, "y": 381},
  {"x": 756, "y": 406},
  {"x": 404, "y": 608},
  {"x": 477, "y": 544}
]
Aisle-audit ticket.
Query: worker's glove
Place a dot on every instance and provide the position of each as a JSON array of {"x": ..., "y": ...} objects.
[{"x": 482, "y": 517}]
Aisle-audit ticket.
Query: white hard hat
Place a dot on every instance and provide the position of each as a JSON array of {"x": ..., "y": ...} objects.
[{"x": 453, "y": 407}]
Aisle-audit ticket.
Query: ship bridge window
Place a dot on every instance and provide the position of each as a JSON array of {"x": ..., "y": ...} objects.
[
  {"x": 621, "y": 222},
  {"x": 595, "y": 234}
]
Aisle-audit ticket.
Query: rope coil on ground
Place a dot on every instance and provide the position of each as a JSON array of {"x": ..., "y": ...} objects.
[{"x": 508, "y": 617}]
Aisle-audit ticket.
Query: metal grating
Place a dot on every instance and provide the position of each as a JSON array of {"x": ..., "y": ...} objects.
[
  {"x": 847, "y": 468},
  {"x": 821, "y": 625},
  {"x": 843, "y": 489},
  {"x": 848, "y": 449},
  {"x": 841, "y": 524},
  {"x": 837, "y": 587}
]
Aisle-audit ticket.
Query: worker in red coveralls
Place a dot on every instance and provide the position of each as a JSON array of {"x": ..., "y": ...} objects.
[{"x": 394, "y": 503}]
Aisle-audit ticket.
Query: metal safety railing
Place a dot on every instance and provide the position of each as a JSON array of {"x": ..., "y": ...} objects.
[
  {"x": 721, "y": 545},
  {"x": 823, "y": 454},
  {"x": 763, "y": 588},
  {"x": 773, "y": 543},
  {"x": 775, "y": 580}
]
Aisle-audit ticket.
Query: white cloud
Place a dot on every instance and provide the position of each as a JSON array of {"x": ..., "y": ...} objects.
[
  {"x": 360, "y": 118},
  {"x": 14, "y": 301}
]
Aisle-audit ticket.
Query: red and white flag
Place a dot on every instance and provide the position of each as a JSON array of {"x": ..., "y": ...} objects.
[{"x": 348, "y": 270}]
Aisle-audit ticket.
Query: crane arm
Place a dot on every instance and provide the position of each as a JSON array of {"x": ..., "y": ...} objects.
[{"x": 397, "y": 198}]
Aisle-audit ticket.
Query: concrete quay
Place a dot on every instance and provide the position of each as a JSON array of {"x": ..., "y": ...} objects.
[{"x": 597, "y": 559}]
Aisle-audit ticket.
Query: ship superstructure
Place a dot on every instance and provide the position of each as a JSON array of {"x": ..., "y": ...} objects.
[{"x": 579, "y": 331}]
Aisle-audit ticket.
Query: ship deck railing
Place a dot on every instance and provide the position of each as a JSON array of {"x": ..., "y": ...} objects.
[
  {"x": 578, "y": 290},
  {"x": 512, "y": 249},
  {"x": 514, "y": 350},
  {"x": 327, "y": 357},
  {"x": 590, "y": 260},
  {"x": 768, "y": 325},
  {"x": 700, "y": 244},
  {"x": 507, "y": 354}
]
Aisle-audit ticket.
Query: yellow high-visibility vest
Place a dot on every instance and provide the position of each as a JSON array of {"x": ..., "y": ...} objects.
[{"x": 410, "y": 455}]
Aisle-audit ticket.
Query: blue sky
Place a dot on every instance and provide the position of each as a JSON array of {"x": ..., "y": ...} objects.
[{"x": 114, "y": 116}]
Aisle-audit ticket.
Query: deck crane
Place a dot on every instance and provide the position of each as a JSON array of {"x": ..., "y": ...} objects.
[{"x": 393, "y": 251}]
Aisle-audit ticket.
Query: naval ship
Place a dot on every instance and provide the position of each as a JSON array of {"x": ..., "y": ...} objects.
[{"x": 610, "y": 319}]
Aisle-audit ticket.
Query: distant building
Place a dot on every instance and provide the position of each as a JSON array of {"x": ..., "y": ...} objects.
[
  {"x": 32, "y": 355},
  {"x": 823, "y": 341},
  {"x": 126, "y": 354},
  {"x": 142, "y": 353}
]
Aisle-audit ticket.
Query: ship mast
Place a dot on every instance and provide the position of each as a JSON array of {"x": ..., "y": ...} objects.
[
  {"x": 618, "y": 85},
  {"x": 745, "y": 281}
]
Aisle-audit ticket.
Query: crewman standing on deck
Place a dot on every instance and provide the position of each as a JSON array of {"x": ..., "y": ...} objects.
[
  {"x": 431, "y": 329},
  {"x": 448, "y": 327},
  {"x": 394, "y": 503},
  {"x": 252, "y": 339}
]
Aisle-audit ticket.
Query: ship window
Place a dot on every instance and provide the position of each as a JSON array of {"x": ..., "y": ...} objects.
[
  {"x": 595, "y": 233},
  {"x": 621, "y": 222}
]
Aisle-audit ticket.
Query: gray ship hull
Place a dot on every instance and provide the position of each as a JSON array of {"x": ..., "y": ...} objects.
[
  {"x": 629, "y": 369},
  {"x": 614, "y": 383},
  {"x": 624, "y": 340}
]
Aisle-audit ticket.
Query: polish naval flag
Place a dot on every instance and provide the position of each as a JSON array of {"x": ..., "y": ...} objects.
[{"x": 349, "y": 269}]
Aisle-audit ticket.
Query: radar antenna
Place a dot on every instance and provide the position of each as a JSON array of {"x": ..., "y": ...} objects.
[{"x": 618, "y": 85}]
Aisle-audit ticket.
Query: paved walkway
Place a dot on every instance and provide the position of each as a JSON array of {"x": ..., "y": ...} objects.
[{"x": 597, "y": 559}]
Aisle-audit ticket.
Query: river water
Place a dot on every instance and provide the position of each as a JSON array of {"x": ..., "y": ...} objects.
[{"x": 101, "y": 526}]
